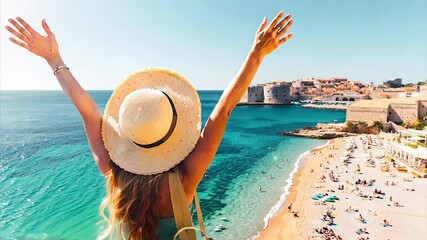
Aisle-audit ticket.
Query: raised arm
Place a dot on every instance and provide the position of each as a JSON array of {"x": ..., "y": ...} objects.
[
  {"x": 268, "y": 38},
  {"x": 47, "y": 48}
]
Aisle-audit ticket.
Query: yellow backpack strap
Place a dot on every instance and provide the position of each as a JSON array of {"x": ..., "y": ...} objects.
[
  {"x": 200, "y": 217},
  {"x": 181, "y": 212},
  {"x": 180, "y": 208},
  {"x": 191, "y": 228}
]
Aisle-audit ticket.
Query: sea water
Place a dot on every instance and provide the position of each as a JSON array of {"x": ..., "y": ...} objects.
[{"x": 51, "y": 189}]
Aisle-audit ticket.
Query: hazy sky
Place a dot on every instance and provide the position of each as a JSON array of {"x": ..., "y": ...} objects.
[{"x": 207, "y": 41}]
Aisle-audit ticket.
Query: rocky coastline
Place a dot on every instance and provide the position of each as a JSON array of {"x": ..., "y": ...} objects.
[{"x": 321, "y": 131}]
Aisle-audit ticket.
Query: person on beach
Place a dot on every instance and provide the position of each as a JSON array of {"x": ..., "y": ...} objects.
[
  {"x": 385, "y": 223},
  {"x": 361, "y": 219},
  {"x": 149, "y": 140},
  {"x": 351, "y": 209}
]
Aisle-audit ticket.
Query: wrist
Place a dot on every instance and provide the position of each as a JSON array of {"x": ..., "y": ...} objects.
[
  {"x": 256, "y": 54},
  {"x": 55, "y": 62}
]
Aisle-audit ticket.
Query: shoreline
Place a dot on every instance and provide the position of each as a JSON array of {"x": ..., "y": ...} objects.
[
  {"x": 385, "y": 200},
  {"x": 282, "y": 224},
  {"x": 290, "y": 189},
  {"x": 289, "y": 183}
]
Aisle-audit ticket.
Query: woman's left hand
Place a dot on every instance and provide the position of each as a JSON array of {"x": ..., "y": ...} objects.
[{"x": 269, "y": 38}]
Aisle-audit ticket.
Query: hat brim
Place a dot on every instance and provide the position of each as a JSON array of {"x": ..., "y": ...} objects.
[{"x": 147, "y": 161}]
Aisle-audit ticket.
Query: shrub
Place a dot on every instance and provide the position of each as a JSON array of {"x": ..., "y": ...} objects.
[
  {"x": 422, "y": 145},
  {"x": 378, "y": 125},
  {"x": 361, "y": 127},
  {"x": 349, "y": 124},
  {"x": 362, "y": 124},
  {"x": 420, "y": 124},
  {"x": 412, "y": 145}
]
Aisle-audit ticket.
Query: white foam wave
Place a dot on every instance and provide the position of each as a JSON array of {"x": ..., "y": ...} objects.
[{"x": 288, "y": 185}]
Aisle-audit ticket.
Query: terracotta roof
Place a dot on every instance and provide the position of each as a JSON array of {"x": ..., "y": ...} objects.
[{"x": 328, "y": 90}]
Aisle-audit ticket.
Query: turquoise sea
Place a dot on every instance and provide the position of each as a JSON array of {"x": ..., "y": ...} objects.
[{"x": 51, "y": 189}]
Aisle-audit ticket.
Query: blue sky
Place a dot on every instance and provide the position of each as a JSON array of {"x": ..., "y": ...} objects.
[{"x": 207, "y": 41}]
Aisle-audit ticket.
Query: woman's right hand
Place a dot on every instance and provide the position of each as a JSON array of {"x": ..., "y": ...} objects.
[
  {"x": 43, "y": 46},
  {"x": 47, "y": 48}
]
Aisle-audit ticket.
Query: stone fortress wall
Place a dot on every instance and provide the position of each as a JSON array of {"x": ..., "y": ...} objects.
[
  {"x": 422, "y": 108},
  {"x": 269, "y": 94},
  {"x": 402, "y": 112},
  {"x": 279, "y": 94},
  {"x": 255, "y": 94},
  {"x": 366, "y": 114},
  {"x": 384, "y": 110}
]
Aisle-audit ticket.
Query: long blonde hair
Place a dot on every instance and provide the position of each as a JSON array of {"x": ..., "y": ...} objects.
[{"x": 132, "y": 204}]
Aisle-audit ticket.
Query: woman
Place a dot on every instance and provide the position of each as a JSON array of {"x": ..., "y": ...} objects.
[{"x": 137, "y": 166}]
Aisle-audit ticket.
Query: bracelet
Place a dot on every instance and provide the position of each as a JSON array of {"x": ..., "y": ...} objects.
[{"x": 60, "y": 68}]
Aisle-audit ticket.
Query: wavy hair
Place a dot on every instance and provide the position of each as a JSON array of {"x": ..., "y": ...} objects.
[{"x": 132, "y": 204}]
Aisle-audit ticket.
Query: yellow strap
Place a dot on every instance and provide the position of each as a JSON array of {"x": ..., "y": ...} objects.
[
  {"x": 181, "y": 213},
  {"x": 179, "y": 205},
  {"x": 200, "y": 217},
  {"x": 188, "y": 228}
]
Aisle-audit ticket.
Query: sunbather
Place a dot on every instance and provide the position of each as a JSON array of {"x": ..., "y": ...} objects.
[
  {"x": 361, "y": 219},
  {"x": 386, "y": 223}
]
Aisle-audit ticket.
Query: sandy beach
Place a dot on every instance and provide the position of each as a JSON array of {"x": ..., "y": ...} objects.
[{"x": 350, "y": 170}]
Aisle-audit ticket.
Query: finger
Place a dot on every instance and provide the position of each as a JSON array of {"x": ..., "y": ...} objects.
[
  {"x": 26, "y": 26},
  {"x": 285, "y": 28},
  {"x": 263, "y": 25},
  {"x": 19, "y": 43},
  {"x": 276, "y": 20},
  {"x": 283, "y": 40},
  {"x": 17, "y": 34},
  {"x": 283, "y": 22},
  {"x": 20, "y": 29},
  {"x": 47, "y": 28}
]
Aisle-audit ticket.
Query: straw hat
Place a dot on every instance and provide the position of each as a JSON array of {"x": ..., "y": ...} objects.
[{"x": 151, "y": 121}]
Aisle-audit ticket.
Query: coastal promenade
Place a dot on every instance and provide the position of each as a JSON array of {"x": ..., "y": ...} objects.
[{"x": 373, "y": 203}]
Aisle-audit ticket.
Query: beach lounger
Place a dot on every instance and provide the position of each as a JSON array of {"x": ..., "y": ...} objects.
[
  {"x": 317, "y": 197},
  {"x": 334, "y": 198}
]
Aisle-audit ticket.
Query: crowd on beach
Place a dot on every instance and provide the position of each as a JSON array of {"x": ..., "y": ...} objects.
[
  {"x": 345, "y": 182},
  {"x": 353, "y": 189}
]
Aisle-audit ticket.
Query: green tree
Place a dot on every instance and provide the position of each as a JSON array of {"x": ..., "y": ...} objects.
[
  {"x": 420, "y": 124},
  {"x": 378, "y": 125}
]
